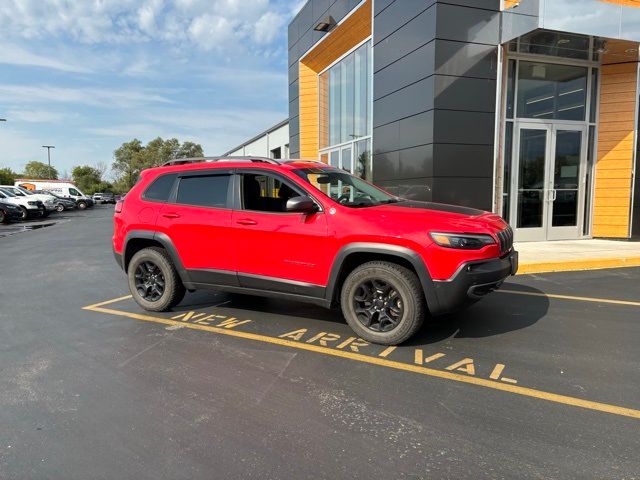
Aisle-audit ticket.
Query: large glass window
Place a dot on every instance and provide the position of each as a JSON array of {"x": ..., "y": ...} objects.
[
  {"x": 551, "y": 91},
  {"x": 345, "y": 112}
]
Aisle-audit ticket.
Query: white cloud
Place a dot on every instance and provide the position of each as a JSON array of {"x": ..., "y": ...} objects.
[
  {"x": 35, "y": 116},
  {"x": 11, "y": 54}
]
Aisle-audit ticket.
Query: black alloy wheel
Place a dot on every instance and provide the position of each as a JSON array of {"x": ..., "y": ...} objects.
[
  {"x": 149, "y": 281},
  {"x": 378, "y": 305},
  {"x": 25, "y": 213}
]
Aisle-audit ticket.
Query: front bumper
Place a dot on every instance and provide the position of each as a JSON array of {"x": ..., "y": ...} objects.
[{"x": 472, "y": 281}]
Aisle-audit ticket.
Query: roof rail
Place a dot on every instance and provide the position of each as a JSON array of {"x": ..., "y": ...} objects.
[{"x": 183, "y": 161}]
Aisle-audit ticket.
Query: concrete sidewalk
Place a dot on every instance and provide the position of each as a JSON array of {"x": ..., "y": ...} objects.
[{"x": 569, "y": 255}]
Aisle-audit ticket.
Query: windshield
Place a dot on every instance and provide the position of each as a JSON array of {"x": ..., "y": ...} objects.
[
  {"x": 8, "y": 193},
  {"x": 344, "y": 188},
  {"x": 24, "y": 190}
]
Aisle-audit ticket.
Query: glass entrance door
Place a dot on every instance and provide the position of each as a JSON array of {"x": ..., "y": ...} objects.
[{"x": 549, "y": 181}]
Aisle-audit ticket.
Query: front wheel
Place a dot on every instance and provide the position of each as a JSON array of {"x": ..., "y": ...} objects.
[
  {"x": 60, "y": 208},
  {"x": 153, "y": 280},
  {"x": 82, "y": 205},
  {"x": 25, "y": 213},
  {"x": 383, "y": 302}
]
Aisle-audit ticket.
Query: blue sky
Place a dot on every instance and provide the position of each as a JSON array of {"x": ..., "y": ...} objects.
[{"x": 88, "y": 75}]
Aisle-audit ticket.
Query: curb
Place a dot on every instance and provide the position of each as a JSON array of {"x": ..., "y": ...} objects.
[{"x": 578, "y": 265}]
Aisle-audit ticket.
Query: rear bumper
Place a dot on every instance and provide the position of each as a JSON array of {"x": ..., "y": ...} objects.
[{"x": 472, "y": 281}]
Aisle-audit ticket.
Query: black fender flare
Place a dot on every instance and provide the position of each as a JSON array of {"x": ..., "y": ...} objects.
[
  {"x": 392, "y": 250},
  {"x": 164, "y": 240}
]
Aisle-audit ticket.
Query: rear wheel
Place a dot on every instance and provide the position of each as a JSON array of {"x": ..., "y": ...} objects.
[
  {"x": 153, "y": 280},
  {"x": 25, "y": 213},
  {"x": 383, "y": 302}
]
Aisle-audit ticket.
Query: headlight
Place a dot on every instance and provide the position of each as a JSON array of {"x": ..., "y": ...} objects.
[{"x": 462, "y": 240}]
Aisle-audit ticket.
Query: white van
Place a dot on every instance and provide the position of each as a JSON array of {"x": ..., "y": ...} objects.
[{"x": 61, "y": 188}]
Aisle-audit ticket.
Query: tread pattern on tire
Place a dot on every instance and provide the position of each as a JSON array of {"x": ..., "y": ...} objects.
[
  {"x": 177, "y": 293},
  {"x": 414, "y": 287}
]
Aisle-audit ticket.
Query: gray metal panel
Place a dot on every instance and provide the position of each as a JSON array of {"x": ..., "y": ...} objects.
[
  {"x": 294, "y": 145},
  {"x": 465, "y": 59},
  {"x": 293, "y": 73},
  {"x": 515, "y": 25},
  {"x": 469, "y": 192},
  {"x": 386, "y": 166},
  {"x": 410, "y": 188},
  {"x": 462, "y": 93},
  {"x": 416, "y": 130},
  {"x": 386, "y": 138},
  {"x": 466, "y": 24},
  {"x": 380, "y": 5},
  {"x": 397, "y": 15},
  {"x": 294, "y": 106},
  {"x": 414, "y": 99},
  {"x": 415, "y": 66},
  {"x": 485, "y": 4},
  {"x": 416, "y": 162},
  {"x": 452, "y": 159},
  {"x": 465, "y": 128},
  {"x": 419, "y": 31},
  {"x": 294, "y": 90}
]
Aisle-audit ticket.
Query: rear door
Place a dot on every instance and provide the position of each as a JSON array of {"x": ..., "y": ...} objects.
[
  {"x": 278, "y": 250},
  {"x": 197, "y": 219}
]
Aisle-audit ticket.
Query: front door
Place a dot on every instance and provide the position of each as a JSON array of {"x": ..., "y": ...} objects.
[{"x": 549, "y": 181}]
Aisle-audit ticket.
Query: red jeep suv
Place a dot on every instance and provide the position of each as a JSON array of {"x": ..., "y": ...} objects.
[{"x": 303, "y": 230}]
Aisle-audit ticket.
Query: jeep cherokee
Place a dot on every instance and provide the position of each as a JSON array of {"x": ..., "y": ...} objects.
[{"x": 303, "y": 230}]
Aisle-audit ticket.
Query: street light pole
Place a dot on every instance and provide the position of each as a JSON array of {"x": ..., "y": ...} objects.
[{"x": 49, "y": 147}]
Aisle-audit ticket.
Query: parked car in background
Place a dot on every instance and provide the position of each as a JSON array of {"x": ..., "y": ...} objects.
[
  {"x": 28, "y": 208},
  {"x": 46, "y": 199},
  {"x": 9, "y": 212},
  {"x": 59, "y": 187},
  {"x": 61, "y": 203},
  {"x": 97, "y": 197},
  {"x": 108, "y": 198}
]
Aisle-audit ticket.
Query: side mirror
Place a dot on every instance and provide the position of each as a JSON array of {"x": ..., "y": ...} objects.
[{"x": 302, "y": 204}]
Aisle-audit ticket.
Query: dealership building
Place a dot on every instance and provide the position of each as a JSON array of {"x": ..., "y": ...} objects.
[{"x": 527, "y": 108}]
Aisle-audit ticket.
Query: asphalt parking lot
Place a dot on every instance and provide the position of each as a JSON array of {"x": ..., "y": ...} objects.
[{"x": 540, "y": 380}]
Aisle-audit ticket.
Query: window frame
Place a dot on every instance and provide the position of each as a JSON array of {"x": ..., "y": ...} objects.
[
  {"x": 294, "y": 185},
  {"x": 229, "y": 202},
  {"x": 171, "y": 190}
]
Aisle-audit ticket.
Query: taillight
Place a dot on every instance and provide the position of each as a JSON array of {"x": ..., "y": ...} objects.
[{"x": 118, "y": 206}]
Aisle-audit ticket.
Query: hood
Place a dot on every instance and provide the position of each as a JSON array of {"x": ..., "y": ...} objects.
[{"x": 442, "y": 216}]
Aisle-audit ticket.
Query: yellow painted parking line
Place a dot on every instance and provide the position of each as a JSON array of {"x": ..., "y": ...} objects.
[
  {"x": 570, "y": 297},
  {"x": 384, "y": 362},
  {"x": 577, "y": 265},
  {"x": 108, "y": 302}
]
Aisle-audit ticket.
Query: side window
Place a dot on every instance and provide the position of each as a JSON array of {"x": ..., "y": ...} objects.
[
  {"x": 74, "y": 192},
  {"x": 160, "y": 188},
  {"x": 266, "y": 193},
  {"x": 204, "y": 191}
]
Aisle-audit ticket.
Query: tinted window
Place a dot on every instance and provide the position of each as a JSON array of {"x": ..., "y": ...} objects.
[
  {"x": 206, "y": 191},
  {"x": 74, "y": 192},
  {"x": 160, "y": 189}
]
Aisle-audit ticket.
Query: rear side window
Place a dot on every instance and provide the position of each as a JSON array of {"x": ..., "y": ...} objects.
[
  {"x": 204, "y": 191},
  {"x": 160, "y": 189}
]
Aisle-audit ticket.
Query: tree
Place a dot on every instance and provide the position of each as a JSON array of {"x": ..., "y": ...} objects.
[
  {"x": 133, "y": 157},
  {"x": 7, "y": 176},
  {"x": 86, "y": 178},
  {"x": 39, "y": 170}
]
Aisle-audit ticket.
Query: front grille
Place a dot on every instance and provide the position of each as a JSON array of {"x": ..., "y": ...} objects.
[{"x": 505, "y": 237}]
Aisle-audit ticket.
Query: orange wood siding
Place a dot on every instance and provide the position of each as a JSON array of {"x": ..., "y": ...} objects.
[
  {"x": 510, "y": 4},
  {"x": 614, "y": 167},
  {"x": 339, "y": 41}
]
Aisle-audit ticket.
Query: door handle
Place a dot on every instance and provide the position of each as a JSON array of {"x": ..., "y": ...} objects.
[
  {"x": 247, "y": 221},
  {"x": 555, "y": 195},
  {"x": 170, "y": 215}
]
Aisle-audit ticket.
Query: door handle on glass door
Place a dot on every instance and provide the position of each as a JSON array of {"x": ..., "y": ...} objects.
[
  {"x": 554, "y": 196},
  {"x": 247, "y": 221},
  {"x": 170, "y": 215}
]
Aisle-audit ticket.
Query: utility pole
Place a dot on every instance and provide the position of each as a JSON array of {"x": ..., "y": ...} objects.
[
  {"x": 49, "y": 147},
  {"x": 3, "y": 119}
]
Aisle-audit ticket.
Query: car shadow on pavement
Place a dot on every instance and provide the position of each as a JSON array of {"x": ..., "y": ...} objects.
[{"x": 496, "y": 314}]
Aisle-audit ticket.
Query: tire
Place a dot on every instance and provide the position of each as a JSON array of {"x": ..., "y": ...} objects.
[
  {"x": 3, "y": 217},
  {"x": 25, "y": 213},
  {"x": 82, "y": 205},
  {"x": 46, "y": 213},
  {"x": 396, "y": 320},
  {"x": 59, "y": 208},
  {"x": 173, "y": 290}
]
